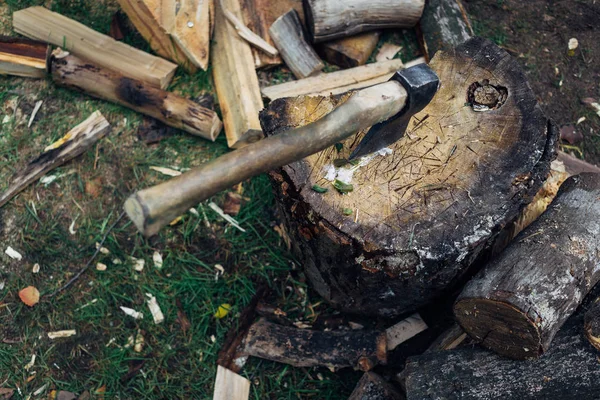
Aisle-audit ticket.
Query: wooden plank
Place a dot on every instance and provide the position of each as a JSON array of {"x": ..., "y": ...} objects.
[
  {"x": 188, "y": 23},
  {"x": 167, "y": 107},
  {"x": 235, "y": 80},
  {"x": 230, "y": 386},
  {"x": 42, "y": 24},
  {"x": 22, "y": 57},
  {"x": 146, "y": 17},
  {"x": 74, "y": 143},
  {"x": 333, "y": 81},
  {"x": 349, "y": 52}
]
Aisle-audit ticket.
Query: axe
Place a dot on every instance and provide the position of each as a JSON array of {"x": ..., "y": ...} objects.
[{"x": 386, "y": 108}]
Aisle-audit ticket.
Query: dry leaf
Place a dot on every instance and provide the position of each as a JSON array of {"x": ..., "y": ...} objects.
[
  {"x": 94, "y": 188},
  {"x": 6, "y": 393},
  {"x": 30, "y": 296},
  {"x": 222, "y": 311},
  {"x": 182, "y": 318},
  {"x": 280, "y": 229},
  {"x": 571, "y": 135},
  {"x": 232, "y": 204}
]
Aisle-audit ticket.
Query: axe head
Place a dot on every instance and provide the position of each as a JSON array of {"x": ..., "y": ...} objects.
[{"x": 421, "y": 84}]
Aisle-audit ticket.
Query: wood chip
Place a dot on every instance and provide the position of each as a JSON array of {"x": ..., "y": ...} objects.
[
  {"x": 35, "y": 269},
  {"x": 157, "y": 259},
  {"x": 157, "y": 314},
  {"x": 101, "y": 267},
  {"x": 62, "y": 334},
  {"x": 166, "y": 171},
  {"x": 132, "y": 313},
  {"x": 12, "y": 253},
  {"x": 404, "y": 330},
  {"x": 387, "y": 52},
  {"x": 138, "y": 264},
  {"x": 34, "y": 113},
  {"x": 226, "y": 217}
]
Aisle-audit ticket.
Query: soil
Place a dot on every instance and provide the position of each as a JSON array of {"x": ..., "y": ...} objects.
[{"x": 537, "y": 33}]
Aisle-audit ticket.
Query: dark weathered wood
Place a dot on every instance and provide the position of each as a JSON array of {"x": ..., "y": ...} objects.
[
  {"x": 169, "y": 108},
  {"x": 373, "y": 387},
  {"x": 443, "y": 26},
  {"x": 74, "y": 143},
  {"x": 334, "y": 19},
  {"x": 519, "y": 301},
  {"x": 592, "y": 324},
  {"x": 23, "y": 57},
  {"x": 351, "y": 51},
  {"x": 568, "y": 371},
  {"x": 420, "y": 216},
  {"x": 308, "y": 348},
  {"x": 288, "y": 35}
]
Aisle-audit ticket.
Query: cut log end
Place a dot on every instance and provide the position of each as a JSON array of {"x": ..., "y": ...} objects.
[
  {"x": 135, "y": 211},
  {"x": 500, "y": 326}
]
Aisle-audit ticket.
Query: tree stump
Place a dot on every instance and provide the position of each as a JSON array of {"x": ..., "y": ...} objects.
[{"x": 417, "y": 219}]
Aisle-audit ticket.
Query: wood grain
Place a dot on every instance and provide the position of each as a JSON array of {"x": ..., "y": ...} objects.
[{"x": 22, "y": 57}]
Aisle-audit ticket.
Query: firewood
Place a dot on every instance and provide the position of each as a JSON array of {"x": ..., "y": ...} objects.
[
  {"x": 421, "y": 215},
  {"x": 443, "y": 26},
  {"x": 169, "y": 108},
  {"x": 259, "y": 15},
  {"x": 349, "y": 52},
  {"x": 334, "y": 19},
  {"x": 308, "y": 348},
  {"x": 288, "y": 35},
  {"x": 188, "y": 23},
  {"x": 569, "y": 370},
  {"x": 74, "y": 143},
  {"x": 22, "y": 57},
  {"x": 146, "y": 16},
  {"x": 230, "y": 386},
  {"x": 236, "y": 81},
  {"x": 592, "y": 324},
  {"x": 575, "y": 166},
  {"x": 518, "y": 302},
  {"x": 373, "y": 387},
  {"x": 335, "y": 82},
  {"x": 42, "y": 24}
]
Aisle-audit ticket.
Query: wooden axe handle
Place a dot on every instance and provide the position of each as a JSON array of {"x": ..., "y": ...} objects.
[{"x": 152, "y": 208}]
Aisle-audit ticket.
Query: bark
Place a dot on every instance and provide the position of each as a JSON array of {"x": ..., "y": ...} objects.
[
  {"x": 421, "y": 216},
  {"x": 334, "y": 19},
  {"x": 373, "y": 387},
  {"x": 307, "y": 348},
  {"x": 288, "y": 35},
  {"x": 167, "y": 107},
  {"x": 349, "y": 52},
  {"x": 518, "y": 302}
]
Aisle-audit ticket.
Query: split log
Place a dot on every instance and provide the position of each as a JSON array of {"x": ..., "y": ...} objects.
[
  {"x": 146, "y": 16},
  {"x": 443, "y": 26},
  {"x": 335, "y": 82},
  {"x": 22, "y": 57},
  {"x": 349, "y": 52},
  {"x": 188, "y": 23},
  {"x": 74, "y": 143},
  {"x": 334, "y": 19},
  {"x": 420, "y": 217},
  {"x": 236, "y": 81},
  {"x": 592, "y": 324},
  {"x": 288, "y": 35},
  {"x": 230, "y": 386},
  {"x": 169, "y": 108},
  {"x": 373, "y": 387},
  {"x": 308, "y": 348},
  {"x": 569, "y": 370},
  {"x": 259, "y": 15},
  {"x": 42, "y": 24},
  {"x": 518, "y": 302}
]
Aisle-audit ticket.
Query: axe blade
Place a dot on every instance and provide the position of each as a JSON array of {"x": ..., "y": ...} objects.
[{"x": 421, "y": 84}]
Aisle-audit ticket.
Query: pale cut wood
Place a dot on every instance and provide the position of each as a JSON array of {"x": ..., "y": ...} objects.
[
  {"x": 42, "y": 24},
  {"x": 349, "y": 52},
  {"x": 236, "y": 81},
  {"x": 22, "y": 57},
  {"x": 258, "y": 15},
  {"x": 518, "y": 302},
  {"x": 74, "y": 143},
  {"x": 247, "y": 34},
  {"x": 188, "y": 23},
  {"x": 146, "y": 17},
  {"x": 299, "y": 56},
  {"x": 404, "y": 330},
  {"x": 333, "y": 19},
  {"x": 230, "y": 386},
  {"x": 334, "y": 82},
  {"x": 387, "y": 52},
  {"x": 167, "y": 107}
]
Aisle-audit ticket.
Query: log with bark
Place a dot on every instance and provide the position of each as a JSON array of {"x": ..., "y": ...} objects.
[
  {"x": 23, "y": 57},
  {"x": 41, "y": 24},
  {"x": 373, "y": 387},
  {"x": 75, "y": 142},
  {"x": 334, "y": 19},
  {"x": 443, "y": 26},
  {"x": 418, "y": 218},
  {"x": 569, "y": 370},
  {"x": 169, "y": 108},
  {"x": 518, "y": 302},
  {"x": 288, "y": 35},
  {"x": 349, "y": 52}
]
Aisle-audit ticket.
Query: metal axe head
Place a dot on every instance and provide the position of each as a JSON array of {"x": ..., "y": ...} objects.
[{"x": 421, "y": 84}]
